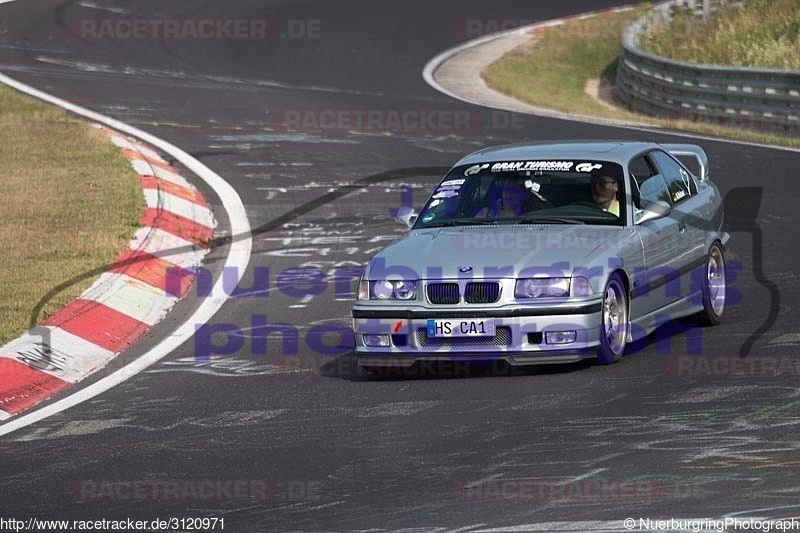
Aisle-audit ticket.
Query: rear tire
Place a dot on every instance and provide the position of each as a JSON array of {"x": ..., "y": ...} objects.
[
  {"x": 614, "y": 322},
  {"x": 714, "y": 287}
]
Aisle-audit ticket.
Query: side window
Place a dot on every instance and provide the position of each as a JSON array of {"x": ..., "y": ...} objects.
[
  {"x": 654, "y": 188},
  {"x": 678, "y": 180},
  {"x": 650, "y": 183},
  {"x": 640, "y": 168}
]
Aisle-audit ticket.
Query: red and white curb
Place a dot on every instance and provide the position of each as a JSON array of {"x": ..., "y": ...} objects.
[
  {"x": 238, "y": 249},
  {"x": 123, "y": 303}
]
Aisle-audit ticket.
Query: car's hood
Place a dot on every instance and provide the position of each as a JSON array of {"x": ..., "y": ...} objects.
[{"x": 494, "y": 251}]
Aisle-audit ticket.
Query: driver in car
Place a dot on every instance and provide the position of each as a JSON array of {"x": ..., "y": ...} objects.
[{"x": 604, "y": 192}]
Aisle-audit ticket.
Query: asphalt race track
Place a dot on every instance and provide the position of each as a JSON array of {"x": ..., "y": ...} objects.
[{"x": 339, "y": 452}]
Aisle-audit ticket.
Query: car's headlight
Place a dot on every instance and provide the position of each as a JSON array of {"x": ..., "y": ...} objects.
[
  {"x": 581, "y": 287},
  {"x": 541, "y": 287},
  {"x": 387, "y": 290}
]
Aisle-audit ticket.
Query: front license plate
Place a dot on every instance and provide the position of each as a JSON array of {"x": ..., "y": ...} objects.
[{"x": 455, "y": 327}]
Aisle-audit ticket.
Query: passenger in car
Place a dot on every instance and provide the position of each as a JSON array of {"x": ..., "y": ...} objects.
[{"x": 514, "y": 200}]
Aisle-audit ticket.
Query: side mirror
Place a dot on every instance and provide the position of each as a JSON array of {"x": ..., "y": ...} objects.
[
  {"x": 652, "y": 211},
  {"x": 406, "y": 216}
]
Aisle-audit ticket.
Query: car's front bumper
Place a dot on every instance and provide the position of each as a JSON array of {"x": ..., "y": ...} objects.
[{"x": 521, "y": 336}]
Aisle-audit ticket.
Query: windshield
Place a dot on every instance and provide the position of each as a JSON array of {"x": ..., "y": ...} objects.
[{"x": 521, "y": 192}]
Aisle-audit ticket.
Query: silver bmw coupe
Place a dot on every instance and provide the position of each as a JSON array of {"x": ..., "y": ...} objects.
[{"x": 547, "y": 253}]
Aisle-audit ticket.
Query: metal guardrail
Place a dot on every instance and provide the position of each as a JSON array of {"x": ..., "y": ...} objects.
[{"x": 763, "y": 99}]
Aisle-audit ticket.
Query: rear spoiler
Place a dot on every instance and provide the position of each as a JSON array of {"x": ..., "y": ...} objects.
[{"x": 690, "y": 150}]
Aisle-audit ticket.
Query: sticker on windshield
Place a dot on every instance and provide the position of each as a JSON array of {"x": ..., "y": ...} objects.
[
  {"x": 475, "y": 169},
  {"x": 522, "y": 166},
  {"x": 446, "y": 194},
  {"x": 532, "y": 185},
  {"x": 588, "y": 167},
  {"x": 449, "y": 188},
  {"x": 686, "y": 179}
]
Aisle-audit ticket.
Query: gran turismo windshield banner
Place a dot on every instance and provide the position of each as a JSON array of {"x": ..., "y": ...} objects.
[{"x": 572, "y": 191}]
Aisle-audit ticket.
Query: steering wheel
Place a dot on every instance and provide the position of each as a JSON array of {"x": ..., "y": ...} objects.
[{"x": 586, "y": 203}]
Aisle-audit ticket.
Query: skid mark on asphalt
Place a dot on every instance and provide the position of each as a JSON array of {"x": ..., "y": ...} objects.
[
  {"x": 78, "y": 428},
  {"x": 111, "y": 9},
  {"x": 243, "y": 141},
  {"x": 711, "y": 394},
  {"x": 204, "y": 81},
  {"x": 236, "y": 418},
  {"x": 396, "y": 409},
  {"x": 275, "y": 164},
  {"x": 75, "y": 428},
  {"x": 221, "y": 366},
  {"x": 786, "y": 339}
]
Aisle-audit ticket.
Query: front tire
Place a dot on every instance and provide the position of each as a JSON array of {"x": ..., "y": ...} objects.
[
  {"x": 614, "y": 322},
  {"x": 714, "y": 287}
]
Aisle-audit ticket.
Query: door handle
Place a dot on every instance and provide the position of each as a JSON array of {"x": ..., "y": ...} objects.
[{"x": 681, "y": 227}]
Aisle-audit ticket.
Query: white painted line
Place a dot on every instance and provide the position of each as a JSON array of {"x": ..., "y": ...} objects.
[
  {"x": 3, "y": 414},
  {"x": 157, "y": 240},
  {"x": 5, "y": 2},
  {"x": 429, "y": 71},
  {"x": 237, "y": 259},
  {"x": 131, "y": 297},
  {"x": 72, "y": 358},
  {"x": 180, "y": 206}
]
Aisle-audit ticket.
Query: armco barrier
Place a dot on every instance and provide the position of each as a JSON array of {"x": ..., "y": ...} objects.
[{"x": 762, "y": 99}]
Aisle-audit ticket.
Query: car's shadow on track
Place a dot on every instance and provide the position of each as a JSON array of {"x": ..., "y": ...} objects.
[
  {"x": 346, "y": 367},
  {"x": 678, "y": 336}
]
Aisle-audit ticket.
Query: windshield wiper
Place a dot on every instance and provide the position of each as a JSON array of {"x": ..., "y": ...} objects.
[{"x": 549, "y": 220}]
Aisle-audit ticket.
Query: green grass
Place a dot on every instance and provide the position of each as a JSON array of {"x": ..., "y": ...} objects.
[
  {"x": 552, "y": 71},
  {"x": 71, "y": 202},
  {"x": 759, "y": 33}
]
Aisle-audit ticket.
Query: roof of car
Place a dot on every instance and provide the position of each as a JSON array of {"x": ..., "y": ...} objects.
[{"x": 619, "y": 151}]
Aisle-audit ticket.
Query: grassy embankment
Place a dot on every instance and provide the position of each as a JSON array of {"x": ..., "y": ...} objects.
[
  {"x": 555, "y": 68},
  {"x": 759, "y": 33},
  {"x": 71, "y": 202}
]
